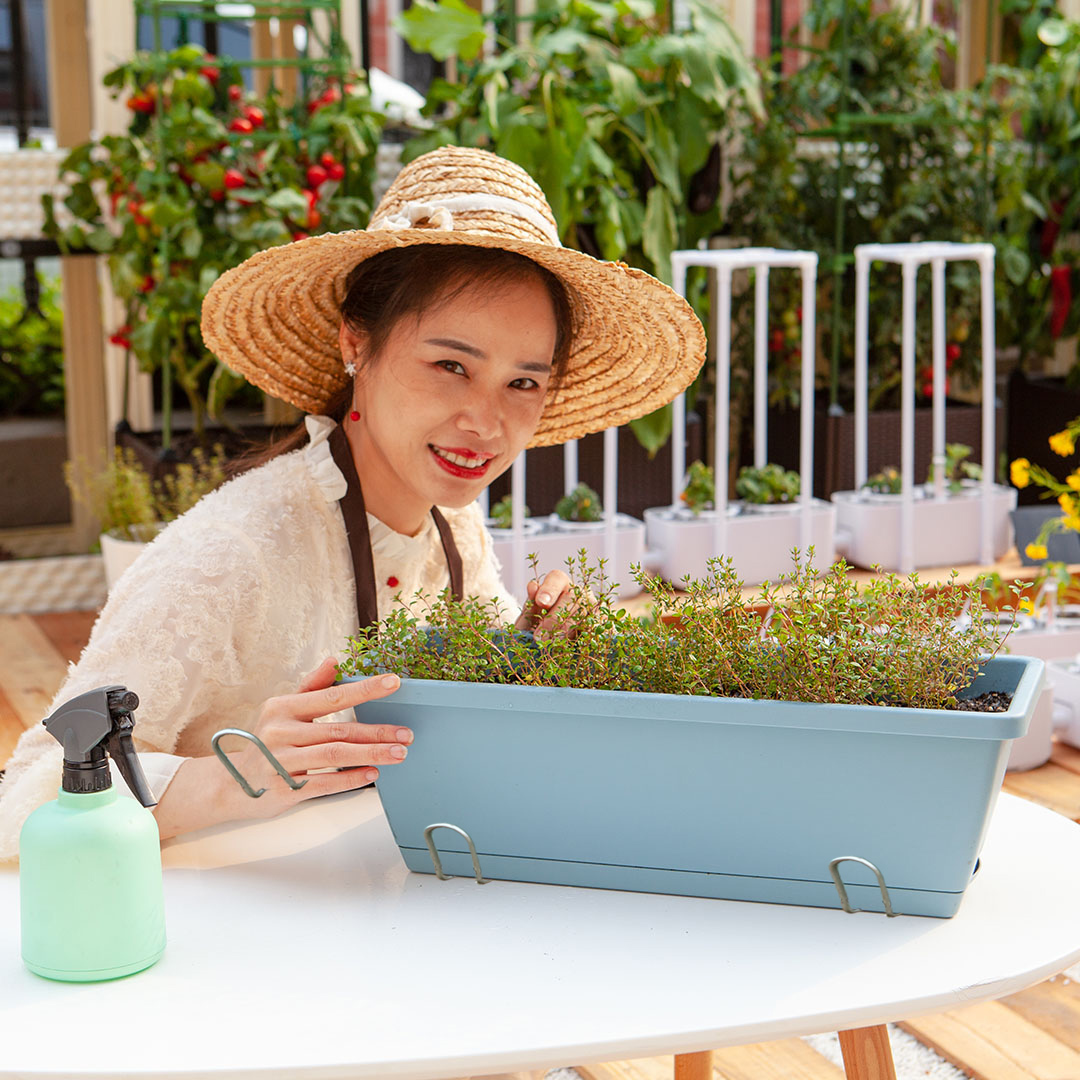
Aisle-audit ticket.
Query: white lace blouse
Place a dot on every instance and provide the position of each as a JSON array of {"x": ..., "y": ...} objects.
[{"x": 235, "y": 602}]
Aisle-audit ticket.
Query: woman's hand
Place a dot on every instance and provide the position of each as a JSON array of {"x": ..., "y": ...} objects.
[
  {"x": 203, "y": 793},
  {"x": 548, "y": 596}
]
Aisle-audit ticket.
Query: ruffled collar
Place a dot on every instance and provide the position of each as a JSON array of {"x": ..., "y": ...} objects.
[{"x": 330, "y": 481}]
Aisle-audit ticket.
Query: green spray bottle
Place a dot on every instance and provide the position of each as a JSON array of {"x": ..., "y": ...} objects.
[{"x": 90, "y": 861}]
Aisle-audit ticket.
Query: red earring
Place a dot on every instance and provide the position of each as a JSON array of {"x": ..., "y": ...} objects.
[{"x": 354, "y": 416}]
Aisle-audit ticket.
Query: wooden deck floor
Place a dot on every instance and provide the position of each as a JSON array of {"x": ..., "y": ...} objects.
[{"x": 1034, "y": 1035}]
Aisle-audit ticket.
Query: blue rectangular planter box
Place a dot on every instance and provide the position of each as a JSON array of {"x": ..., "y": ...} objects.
[{"x": 698, "y": 796}]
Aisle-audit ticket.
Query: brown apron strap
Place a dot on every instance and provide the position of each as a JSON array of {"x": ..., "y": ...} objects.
[
  {"x": 453, "y": 556},
  {"x": 356, "y": 528}
]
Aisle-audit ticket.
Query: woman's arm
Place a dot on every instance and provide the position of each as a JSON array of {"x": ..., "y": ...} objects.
[{"x": 202, "y": 792}]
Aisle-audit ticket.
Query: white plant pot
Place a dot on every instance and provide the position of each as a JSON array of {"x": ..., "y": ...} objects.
[
  {"x": 554, "y": 547},
  {"x": 946, "y": 531},
  {"x": 759, "y": 544},
  {"x": 1034, "y": 749},
  {"x": 119, "y": 553},
  {"x": 1064, "y": 677},
  {"x": 529, "y": 527}
]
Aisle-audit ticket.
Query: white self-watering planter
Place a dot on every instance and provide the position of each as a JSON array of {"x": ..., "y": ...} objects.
[
  {"x": 946, "y": 530},
  {"x": 758, "y": 539},
  {"x": 716, "y": 797},
  {"x": 559, "y": 541},
  {"x": 118, "y": 552}
]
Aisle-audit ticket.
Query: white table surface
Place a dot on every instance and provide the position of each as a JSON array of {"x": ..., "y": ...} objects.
[{"x": 302, "y": 947}]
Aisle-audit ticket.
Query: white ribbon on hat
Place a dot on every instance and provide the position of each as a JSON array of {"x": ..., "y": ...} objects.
[{"x": 440, "y": 213}]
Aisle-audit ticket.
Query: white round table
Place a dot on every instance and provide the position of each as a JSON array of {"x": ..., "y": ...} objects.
[{"x": 302, "y": 947}]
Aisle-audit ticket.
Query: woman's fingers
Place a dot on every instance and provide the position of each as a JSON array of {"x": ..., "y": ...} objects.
[
  {"x": 545, "y": 597},
  {"x": 311, "y": 704},
  {"x": 308, "y": 734},
  {"x": 341, "y": 755},
  {"x": 322, "y": 677}
]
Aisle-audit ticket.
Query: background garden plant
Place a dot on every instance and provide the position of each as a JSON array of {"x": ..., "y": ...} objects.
[
  {"x": 205, "y": 176},
  {"x": 814, "y": 636},
  {"x": 1067, "y": 492}
]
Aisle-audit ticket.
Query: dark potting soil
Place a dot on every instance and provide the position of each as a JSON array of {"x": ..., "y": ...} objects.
[{"x": 991, "y": 701}]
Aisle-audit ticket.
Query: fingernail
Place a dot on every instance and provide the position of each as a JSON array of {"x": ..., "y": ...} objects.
[
  {"x": 543, "y": 598},
  {"x": 390, "y": 681},
  {"x": 404, "y": 735},
  {"x": 371, "y": 774},
  {"x": 398, "y": 751}
]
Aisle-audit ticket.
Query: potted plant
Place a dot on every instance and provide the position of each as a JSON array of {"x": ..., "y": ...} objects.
[
  {"x": 501, "y": 517},
  {"x": 757, "y": 532},
  {"x": 132, "y": 507},
  {"x": 719, "y": 754},
  {"x": 205, "y": 176},
  {"x": 579, "y": 510}
]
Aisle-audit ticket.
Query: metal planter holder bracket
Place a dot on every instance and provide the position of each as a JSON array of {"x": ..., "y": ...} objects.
[
  {"x": 234, "y": 772},
  {"x": 434, "y": 851},
  {"x": 834, "y": 870}
]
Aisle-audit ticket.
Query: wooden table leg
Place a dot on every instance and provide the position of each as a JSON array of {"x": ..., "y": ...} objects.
[
  {"x": 867, "y": 1054},
  {"x": 694, "y": 1066}
]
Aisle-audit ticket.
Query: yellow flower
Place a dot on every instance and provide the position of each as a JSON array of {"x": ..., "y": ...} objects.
[
  {"x": 1072, "y": 522},
  {"x": 1036, "y": 551},
  {"x": 1062, "y": 443},
  {"x": 1074, "y": 481},
  {"x": 1026, "y": 607},
  {"x": 1067, "y": 503},
  {"x": 1019, "y": 472}
]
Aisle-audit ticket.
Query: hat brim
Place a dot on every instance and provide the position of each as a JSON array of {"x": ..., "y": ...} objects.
[{"x": 275, "y": 320}]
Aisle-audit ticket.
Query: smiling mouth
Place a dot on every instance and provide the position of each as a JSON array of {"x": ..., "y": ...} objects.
[{"x": 461, "y": 464}]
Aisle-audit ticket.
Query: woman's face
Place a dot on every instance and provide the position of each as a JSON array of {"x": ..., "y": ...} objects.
[{"x": 454, "y": 397}]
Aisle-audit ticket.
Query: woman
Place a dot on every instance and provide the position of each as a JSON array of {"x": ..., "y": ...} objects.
[{"x": 429, "y": 350}]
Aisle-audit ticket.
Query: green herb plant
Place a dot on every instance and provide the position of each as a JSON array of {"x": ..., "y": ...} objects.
[
  {"x": 823, "y": 638},
  {"x": 699, "y": 493},
  {"x": 886, "y": 482},
  {"x": 502, "y": 513},
  {"x": 771, "y": 485},
  {"x": 581, "y": 505},
  {"x": 129, "y": 504},
  {"x": 957, "y": 468}
]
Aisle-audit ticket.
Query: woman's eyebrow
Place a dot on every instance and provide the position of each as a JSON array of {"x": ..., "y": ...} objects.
[{"x": 472, "y": 350}]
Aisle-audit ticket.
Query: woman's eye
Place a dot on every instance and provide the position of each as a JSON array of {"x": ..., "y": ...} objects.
[
  {"x": 525, "y": 384},
  {"x": 452, "y": 366}
]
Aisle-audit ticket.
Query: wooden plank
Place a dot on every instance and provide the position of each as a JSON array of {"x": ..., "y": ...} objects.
[
  {"x": 11, "y": 727},
  {"x": 785, "y": 1059},
  {"x": 67, "y": 631},
  {"x": 1068, "y": 757},
  {"x": 990, "y": 1041},
  {"x": 657, "y": 1068},
  {"x": 31, "y": 669},
  {"x": 867, "y": 1053},
  {"x": 1054, "y": 1006},
  {"x": 1050, "y": 786}
]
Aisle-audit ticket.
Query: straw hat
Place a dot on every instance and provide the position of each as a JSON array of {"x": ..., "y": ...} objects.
[{"x": 275, "y": 318}]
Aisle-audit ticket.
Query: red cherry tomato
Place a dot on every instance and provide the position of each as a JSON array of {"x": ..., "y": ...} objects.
[
  {"x": 327, "y": 160},
  {"x": 242, "y": 125},
  {"x": 314, "y": 219},
  {"x": 255, "y": 115},
  {"x": 299, "y": 235},
  {"x": 316, "y": 176},
  {"x": 236, "y": 92},
  {"x": 952, "y": 351},
  {"x": 211, "y": 74},
  {"x": 336, "y": 171},
  {"x": 234, "y": 178},
  {"x": 147, "y": 284}
]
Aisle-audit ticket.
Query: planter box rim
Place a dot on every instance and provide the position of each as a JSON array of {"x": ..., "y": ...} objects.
[{"x": 688, "y": 708}]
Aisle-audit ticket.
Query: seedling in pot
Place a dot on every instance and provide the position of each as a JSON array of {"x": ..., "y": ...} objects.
[
  {"x": 771, "y": 485},
  {"x": 502, "y": 513},
  {"x": 700, "y": 490},
  {"x": 580, "y": 505}
]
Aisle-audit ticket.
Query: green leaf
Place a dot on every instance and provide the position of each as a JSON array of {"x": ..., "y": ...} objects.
[
  {"x": 1033, "y": 205},
  {"x": 101, "y": 240},
  {"x": 288, "y": 201},
  {"x": 653, "y": 430},
  {"x": 565, "y": 41},
  {"x": 191, "y": 241},
  {"x": 150, "y": 340},
  {"x": 664, "y": 152},
  {"x": 1016, "y": 265},
  {"x": 660, "y": 232},
  {"x": 625, "y": 91},
  {"x": 224, "y": 383},
  {"x": 522, "y": 144},
  {"x": 609, "y": 227},
  {"x": 1054, "y": 33},
  {"x": 443, "y": 29},
  {"x": 208, "y": 174}
]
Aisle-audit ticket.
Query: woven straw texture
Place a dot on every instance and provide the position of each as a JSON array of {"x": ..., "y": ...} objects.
[{"x": 275, "y": 318}]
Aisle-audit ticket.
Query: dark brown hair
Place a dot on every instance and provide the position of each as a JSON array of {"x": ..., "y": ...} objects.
[{"x": 399, "y": 282}]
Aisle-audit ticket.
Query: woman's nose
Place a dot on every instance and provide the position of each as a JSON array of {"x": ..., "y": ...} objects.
[{"x": 482, "y": 417}]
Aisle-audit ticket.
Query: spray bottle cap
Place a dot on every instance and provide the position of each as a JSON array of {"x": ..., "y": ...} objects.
[{"x": 90, "y": 725}]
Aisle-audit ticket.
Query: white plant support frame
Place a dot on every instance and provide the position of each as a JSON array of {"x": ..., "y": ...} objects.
[
  {"x": 759, "y": 546},
  {"x": 620, "y": 542},
  {"x": 902, "y": 553}
]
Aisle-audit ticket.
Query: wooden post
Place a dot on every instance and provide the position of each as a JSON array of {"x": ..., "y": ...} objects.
[
  {"x": 867, "y": 1054},
  {"x": 84, "y": 371},
  {"x": 694, "y": 1066}
]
